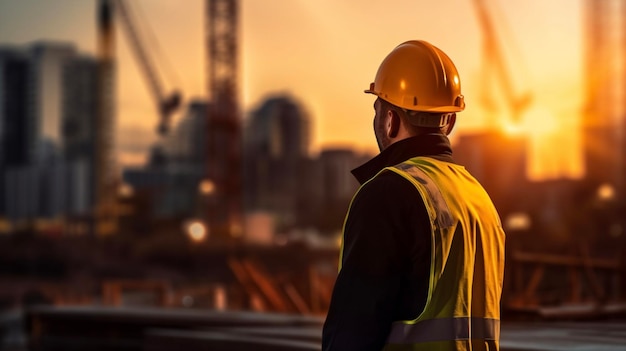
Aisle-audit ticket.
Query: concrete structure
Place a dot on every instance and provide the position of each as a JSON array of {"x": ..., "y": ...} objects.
[
  {"x": 14, "y": 126},
  {"x": 333, "y": 187},
  {"x": 280, "y": 129},
  {"x": 14, "y": 84},
  {"x": 174, "y": 189},
  {"x": 176, "y": 168},
  {"x": 276, "y": 145},
  {"x": 79, "y": 130},
  {"x": 32, "y": 102},
  {"x": 339, "y": 183},
  {"x": 56, "y": 112},
  {"x": 186, "y": 144},
  {"x": 499, "y": 161},
  {"x": 46, "y": 88},
  {"x": 282, "y": 177}
]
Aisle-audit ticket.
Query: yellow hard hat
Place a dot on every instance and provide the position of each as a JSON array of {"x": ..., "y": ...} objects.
[{"x": 418, "y": 76}]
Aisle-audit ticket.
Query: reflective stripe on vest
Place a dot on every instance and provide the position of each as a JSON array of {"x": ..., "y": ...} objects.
[{"x": 442, "y": 329}]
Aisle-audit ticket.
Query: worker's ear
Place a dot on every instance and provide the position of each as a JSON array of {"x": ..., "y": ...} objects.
[
  {"x": 450, "y": 126},
  {"x": 392, "y": 125}
]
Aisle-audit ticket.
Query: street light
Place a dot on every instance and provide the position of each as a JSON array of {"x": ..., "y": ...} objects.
[
  {"x": 125, "y": 190},
  {"x": 517, "y": 221},
  {"x": 606, "y": 192},
  {"x": 196, "y": 230},
  {"x": 206, "y": 187}
]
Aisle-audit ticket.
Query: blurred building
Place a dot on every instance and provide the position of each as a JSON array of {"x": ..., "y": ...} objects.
[
  {"x": 31, "y": 179},
  {"x": 14, "y": 126},
  {"x": 186, "y": 144},
  {"x": 276, "y": 149},
  {"x": 499, "y": 162},
  {"x": 176, "y": 168},
  {"x": 337, "y": 164},
  {"x": 14, "y": 84},
  {"x": 52, "y": 100},
  {"x": 283, "y": 180},
  {"x": 337, "y": 186},
  {"x": 604, "y": 128},
  {"x": 79, "y": 131},
  {"x": 48, "y": 60}
]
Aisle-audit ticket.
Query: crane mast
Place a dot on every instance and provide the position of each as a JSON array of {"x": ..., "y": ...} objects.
[
  {"x": 104, "y": 220},
  {"x": 224, "y": 126}
]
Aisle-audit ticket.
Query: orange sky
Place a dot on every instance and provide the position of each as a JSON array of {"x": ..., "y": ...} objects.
[{"x": 325, "y": 52}]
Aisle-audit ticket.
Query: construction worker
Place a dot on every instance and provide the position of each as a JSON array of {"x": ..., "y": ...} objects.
[{"x": 422, "y": 260}]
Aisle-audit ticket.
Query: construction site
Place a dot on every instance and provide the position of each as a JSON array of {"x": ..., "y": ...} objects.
[{"x": 103, "y": 267}]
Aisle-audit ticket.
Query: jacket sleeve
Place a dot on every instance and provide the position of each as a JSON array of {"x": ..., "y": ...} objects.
[{"x": 378, "y": 241}]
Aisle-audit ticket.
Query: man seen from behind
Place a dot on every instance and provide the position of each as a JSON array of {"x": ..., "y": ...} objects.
[{"x": 422, "y": 261}]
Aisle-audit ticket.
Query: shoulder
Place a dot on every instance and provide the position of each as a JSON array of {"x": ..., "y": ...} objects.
[
  {"x": 389, "y": 206},
  {"x": 387, "y": 192},
  {"x": 388, "y": 184}
]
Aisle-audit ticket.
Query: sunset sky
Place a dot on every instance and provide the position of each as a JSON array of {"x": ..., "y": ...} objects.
[{"x": 325, "y": 52}]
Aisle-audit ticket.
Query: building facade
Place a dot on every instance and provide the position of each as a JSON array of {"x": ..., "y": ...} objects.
[
  {"x": 276, "y": 146},
  {"x": 79, "y": 131},
  {"x": 176, "y": 167},
  {"x": 54, "y": 114},
  {"x": 14, "y": 122}
]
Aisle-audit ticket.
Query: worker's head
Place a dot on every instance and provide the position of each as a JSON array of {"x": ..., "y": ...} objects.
[{"x": 419, "y": 91}]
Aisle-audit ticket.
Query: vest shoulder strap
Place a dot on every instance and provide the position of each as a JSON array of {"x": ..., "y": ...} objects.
[{"x": 435, "y": 202}]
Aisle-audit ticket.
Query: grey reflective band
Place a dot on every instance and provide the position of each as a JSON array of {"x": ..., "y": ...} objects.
[
  {"x": 445, "y": 329},
  {"x": 444, "y": 217}
]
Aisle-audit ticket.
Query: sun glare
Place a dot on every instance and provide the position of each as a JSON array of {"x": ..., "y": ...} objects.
[
  {"x": 538, "y": 121},
  {"x": 552, "y": 151},
  {"x": 513, "y": 129}
]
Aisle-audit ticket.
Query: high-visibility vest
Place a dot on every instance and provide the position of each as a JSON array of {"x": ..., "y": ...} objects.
[{"x": 462, "y": 311}]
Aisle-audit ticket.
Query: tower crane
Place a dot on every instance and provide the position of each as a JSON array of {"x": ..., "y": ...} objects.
[
  {"x": 167, "y": 103},
  {"x": 223, "y": 124},
  {"x": 495, "y": 59}
]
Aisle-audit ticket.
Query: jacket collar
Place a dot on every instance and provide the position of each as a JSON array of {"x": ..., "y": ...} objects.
[{"x": 432, "y": 145}]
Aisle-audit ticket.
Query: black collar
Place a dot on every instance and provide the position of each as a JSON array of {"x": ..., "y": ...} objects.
[{"x": 432, "y": 145}]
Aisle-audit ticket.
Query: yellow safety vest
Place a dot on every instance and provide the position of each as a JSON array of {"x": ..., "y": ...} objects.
[{"x": 462, "y": 311}]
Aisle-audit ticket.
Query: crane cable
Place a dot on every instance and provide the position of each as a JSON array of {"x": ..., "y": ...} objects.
[{"x": 166, "y": 67}]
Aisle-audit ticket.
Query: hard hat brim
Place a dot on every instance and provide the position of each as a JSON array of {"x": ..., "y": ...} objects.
[{"x": 436, "y": 109}]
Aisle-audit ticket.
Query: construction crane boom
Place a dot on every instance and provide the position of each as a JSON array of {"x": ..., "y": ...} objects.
[
  {"x": 496, "y": 60},
  {"x": 166, "y": 104}
]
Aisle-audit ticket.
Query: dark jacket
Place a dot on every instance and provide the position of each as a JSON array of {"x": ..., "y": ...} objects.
[{"x": 386, "y": 253}]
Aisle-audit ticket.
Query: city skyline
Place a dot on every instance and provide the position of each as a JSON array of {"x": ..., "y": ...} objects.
[
  {"x": 325, "y": 61},
  {"x": 248, "y": 216}
]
